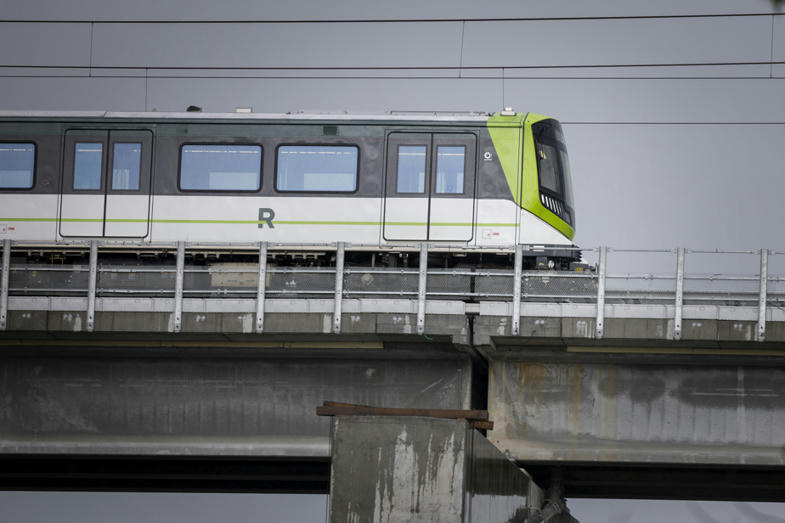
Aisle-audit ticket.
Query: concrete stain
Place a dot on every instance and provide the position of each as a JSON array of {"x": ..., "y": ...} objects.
[
  {"x": 576, "y": 380},
  {"x": 247, "y": 323},
  {"x": 639, "y": 387},
  {"x": 762, "y": 388}
]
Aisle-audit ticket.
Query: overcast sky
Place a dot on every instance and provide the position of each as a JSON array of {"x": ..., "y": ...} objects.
[
  {"x": 675, "y": 126},
  {"x": 113, "y": 507}
]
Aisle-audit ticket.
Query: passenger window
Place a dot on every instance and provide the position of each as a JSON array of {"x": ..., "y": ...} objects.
[
  {"x": 449, "y": 169},
  {"x": 126, "y": 161},
  {"x": 411, "y": 169},
  {"x": 220, "y": 167},
  {"x": 317, "y": 168},
  {"x": 87, "y": 166},
  {"x": 17, "y": 164}
]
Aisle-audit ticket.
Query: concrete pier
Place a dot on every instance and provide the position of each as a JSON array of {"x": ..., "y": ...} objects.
[{"x": 390, "y": 469}]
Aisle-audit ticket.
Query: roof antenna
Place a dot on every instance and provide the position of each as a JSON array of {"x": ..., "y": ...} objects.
[{"x": 194, "y": 109}]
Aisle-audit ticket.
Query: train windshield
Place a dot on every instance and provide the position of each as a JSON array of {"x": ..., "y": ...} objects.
[{"x": 553, "y": 167}]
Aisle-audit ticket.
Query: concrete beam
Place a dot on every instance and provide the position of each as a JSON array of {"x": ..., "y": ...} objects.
[
  {"x": 635, "y": 412},
  {"x": 249, "y": 400}
]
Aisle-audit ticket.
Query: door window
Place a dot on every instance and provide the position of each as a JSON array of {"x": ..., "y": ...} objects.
[
  {"x": 411, "y": 169},
  {"x": 88, "y": 158},
  {"x": 450, "y": 169},
  {"x": 127, "y": 158}
]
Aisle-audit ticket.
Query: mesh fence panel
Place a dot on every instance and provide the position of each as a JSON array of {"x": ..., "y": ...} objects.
[
  {"x": 381, "y": 283},
  {"x": 44, "y": 279},
  {"x": 297, "y": 282},
  {"x": 494, "y": 284},
  {"x": 224, "y": 280},
  {"x": 443, "y": 283},
  {"x": 146, "y": 280},
  {"x": 558, "y": 286}
]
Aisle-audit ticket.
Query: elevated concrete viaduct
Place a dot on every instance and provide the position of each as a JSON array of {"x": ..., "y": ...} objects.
[{"x": 211, "y": 381}]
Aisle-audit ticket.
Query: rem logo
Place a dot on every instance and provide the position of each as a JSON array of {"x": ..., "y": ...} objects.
[{"x": 266, "y": 215}]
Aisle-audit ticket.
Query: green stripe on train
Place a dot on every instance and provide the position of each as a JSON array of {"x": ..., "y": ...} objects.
[{"x": 257, "y": 222}]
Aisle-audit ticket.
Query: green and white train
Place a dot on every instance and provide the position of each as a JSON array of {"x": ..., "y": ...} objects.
[{"x": 464, "y": 183}]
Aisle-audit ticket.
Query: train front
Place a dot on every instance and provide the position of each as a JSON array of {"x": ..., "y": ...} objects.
[{"x": 548, "y": 217}]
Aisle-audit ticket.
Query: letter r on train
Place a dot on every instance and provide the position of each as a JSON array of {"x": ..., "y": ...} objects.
[{"x": 266, "y": 215}]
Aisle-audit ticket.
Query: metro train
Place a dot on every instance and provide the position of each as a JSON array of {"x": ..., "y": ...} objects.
[{"x": 467, "y": 184}]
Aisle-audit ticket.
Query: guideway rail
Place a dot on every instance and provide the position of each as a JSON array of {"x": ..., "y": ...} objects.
[{"x": 253, "y": 286}]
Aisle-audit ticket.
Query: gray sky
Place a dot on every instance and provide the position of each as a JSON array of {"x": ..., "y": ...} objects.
[
  {"x": 118, "y": 507},
  {"x": 662, "y": 155}
]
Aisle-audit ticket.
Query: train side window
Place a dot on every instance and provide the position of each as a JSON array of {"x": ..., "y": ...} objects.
[
  {"x": 17, "y": 165},
  {"x": 317, "y": 168},
  {"x": 450, "y": 169},
  {"x": 411, "y": 169},
  {"x": 88, "y": 158},
  {"x": 220, "y": 167},
  {"x": 126, "y": 160}
]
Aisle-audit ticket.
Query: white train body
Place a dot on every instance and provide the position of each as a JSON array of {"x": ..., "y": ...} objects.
[{"x": 469, "y": 186}]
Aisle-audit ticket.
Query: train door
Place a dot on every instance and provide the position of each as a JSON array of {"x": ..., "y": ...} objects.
[
  {"x": 429, "y": 190},
  {"x": 106, "y": 183}
]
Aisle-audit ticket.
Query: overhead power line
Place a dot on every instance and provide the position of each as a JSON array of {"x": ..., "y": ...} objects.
[
  {"x": 396, "y": 77},
  {"x": 386, "y": 72},
  {"x": 393, "y": 67},
  {"x": 399, "y": 20}
]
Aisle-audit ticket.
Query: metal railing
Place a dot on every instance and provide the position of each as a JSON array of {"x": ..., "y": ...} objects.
[{"x": 261, "y": 281}]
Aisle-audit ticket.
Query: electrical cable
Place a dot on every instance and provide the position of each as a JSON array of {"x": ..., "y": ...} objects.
[{"x": 401, "y": 20}]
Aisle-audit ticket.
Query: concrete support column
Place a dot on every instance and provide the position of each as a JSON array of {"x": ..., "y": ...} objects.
[{"x": 424, "y": 469}]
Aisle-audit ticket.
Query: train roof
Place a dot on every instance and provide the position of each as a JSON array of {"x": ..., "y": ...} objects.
[{"x": 468, "y": 117}]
